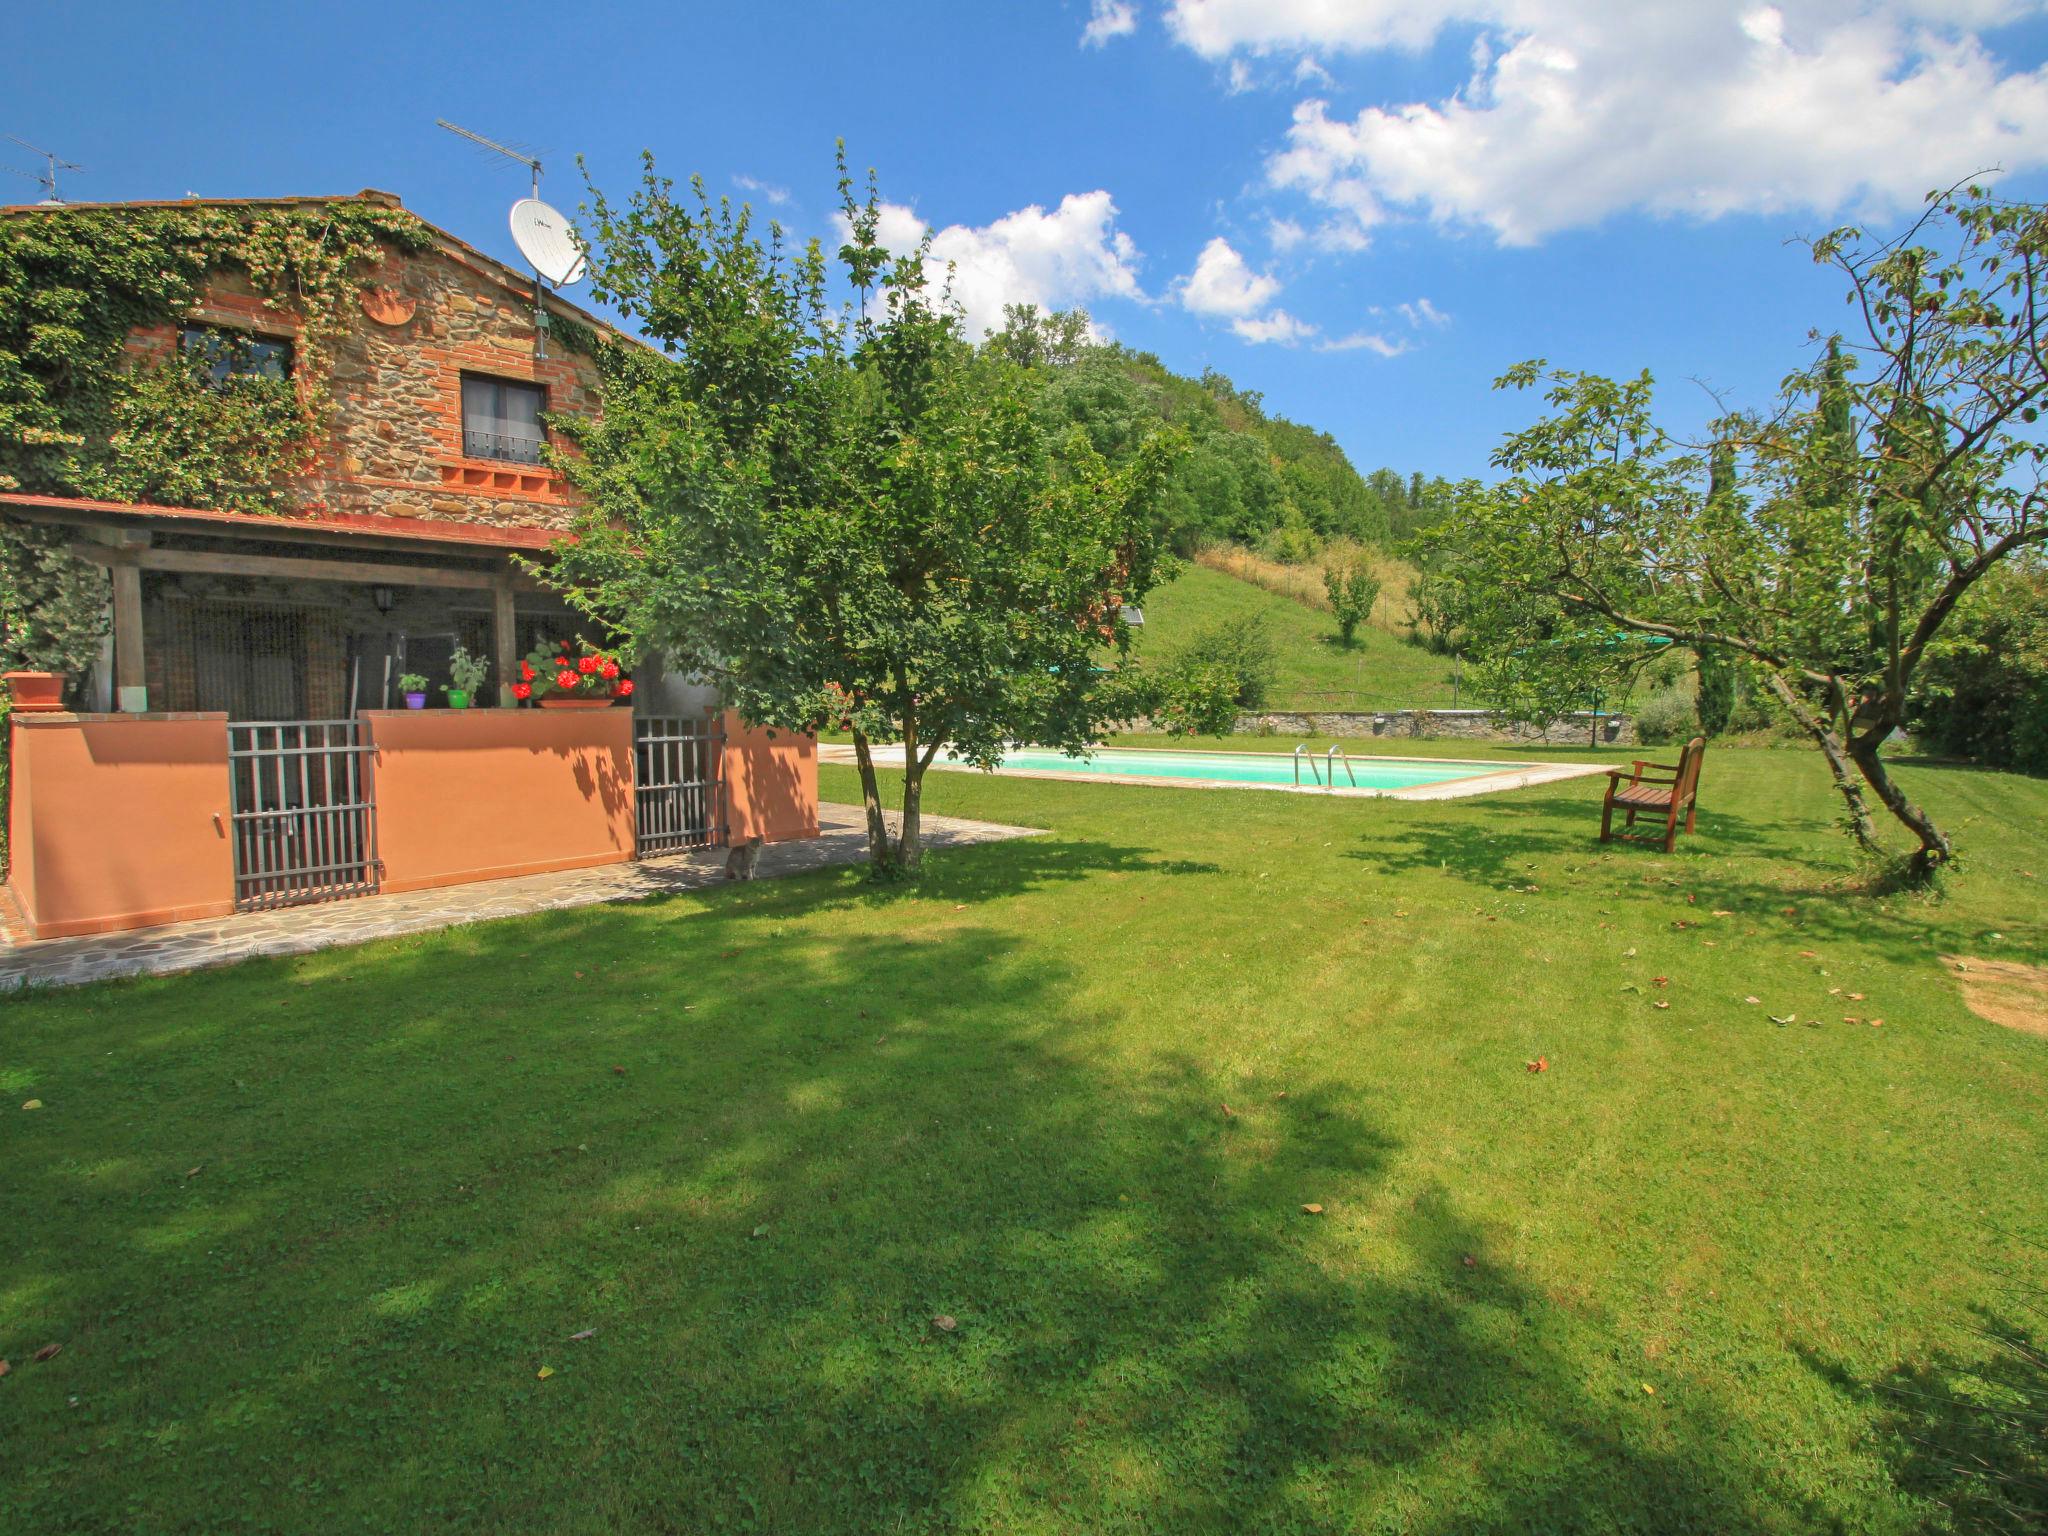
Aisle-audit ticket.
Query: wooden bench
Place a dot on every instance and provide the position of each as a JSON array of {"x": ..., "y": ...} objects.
[{"x": 1664, "y": 789}]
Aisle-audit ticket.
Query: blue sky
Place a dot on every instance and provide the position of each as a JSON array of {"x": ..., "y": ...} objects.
[{"x": 1273, "y": 188}]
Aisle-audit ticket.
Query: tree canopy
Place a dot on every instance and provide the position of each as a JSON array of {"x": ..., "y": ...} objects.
[
  {"x": 1827, "y": 542},
  {"x": 851, "y": 519}
]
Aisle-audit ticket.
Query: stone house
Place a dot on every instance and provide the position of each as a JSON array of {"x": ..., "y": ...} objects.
[
  {"x": 429, "y": 463},
  {"x": 237, "y": 745}
]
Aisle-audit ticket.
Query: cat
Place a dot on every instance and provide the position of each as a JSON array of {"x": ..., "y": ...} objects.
[{"x": 740, "y": 863}]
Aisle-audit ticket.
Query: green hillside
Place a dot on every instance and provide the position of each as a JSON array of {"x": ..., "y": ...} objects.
[{"x": 1380, "y": 672}]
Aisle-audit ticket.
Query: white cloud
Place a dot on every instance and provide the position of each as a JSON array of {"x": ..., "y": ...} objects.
[
  {"x": 1578, "y": 109},
  {"x": 766, "y": 190},
  {"x": 1278, "y": 325},
  {"x": 1109, "y": 19},
  {"x": 1422, "y": 313},
  {"x": 1371, "y": 341},
  {"x": 1284, "y": 234},
  {"x": 1072, "y": 255},
  {"x": 1223, "y": 286}
]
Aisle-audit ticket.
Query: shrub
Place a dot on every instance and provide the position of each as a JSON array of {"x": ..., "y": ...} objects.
[
  {"x": 1665, "y": 716},
  {"x": 1245, "y": 650},
  {"x": 1984, "y": 690},
  {"x": 1352, "y": 590},
  {"x": 1293, "y": 542}
]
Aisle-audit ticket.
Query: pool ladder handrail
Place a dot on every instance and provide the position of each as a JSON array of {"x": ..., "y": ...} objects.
[{"x": 1330, "y": 759}]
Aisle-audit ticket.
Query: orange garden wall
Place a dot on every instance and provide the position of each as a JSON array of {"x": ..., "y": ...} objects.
[
  {"x": 771, "y": 782},
  {"x": 119, "y": 821},
  {"x": 480, "y": 794}
]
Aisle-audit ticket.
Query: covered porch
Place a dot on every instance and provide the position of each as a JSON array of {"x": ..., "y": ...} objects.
[{"x": 296, "y": 618}]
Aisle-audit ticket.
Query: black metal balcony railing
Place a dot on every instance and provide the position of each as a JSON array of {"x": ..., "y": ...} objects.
[{"x": 500, "y": 445}]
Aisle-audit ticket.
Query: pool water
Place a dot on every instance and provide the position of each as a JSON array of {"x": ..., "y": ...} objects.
[{"x": 1246, "y": 767}]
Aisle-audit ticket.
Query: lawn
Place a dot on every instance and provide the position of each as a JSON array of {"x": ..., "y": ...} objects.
[
  {"x": 1381, "y": 671},
  {"x": 318, "y": 1236}
]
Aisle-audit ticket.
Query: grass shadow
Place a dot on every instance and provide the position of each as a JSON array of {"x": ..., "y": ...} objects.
[{"x": 643, "y": 1218}]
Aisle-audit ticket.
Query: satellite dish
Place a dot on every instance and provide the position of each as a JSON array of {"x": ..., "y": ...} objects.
[{"x": 544, "y": 238}]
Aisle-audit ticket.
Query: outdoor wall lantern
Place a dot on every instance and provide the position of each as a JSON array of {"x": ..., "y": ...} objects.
[{"x": 383, "y": 597}]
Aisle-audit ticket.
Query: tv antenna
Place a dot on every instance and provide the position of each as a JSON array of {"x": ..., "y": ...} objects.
[
  {"x": 545, "y": 238},
  {"x": 52, "y": 165}
]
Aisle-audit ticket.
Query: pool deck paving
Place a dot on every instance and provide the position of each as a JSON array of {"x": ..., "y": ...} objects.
[
  {"x": 1505, "y": 775},
  {"x": 193, "y": 946}
]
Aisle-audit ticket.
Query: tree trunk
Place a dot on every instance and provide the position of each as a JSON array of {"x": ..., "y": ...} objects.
[
  {"x": 879, "y": 852},
  {"x": 1935, "y": 849},
  {"x": 1860, "y": 825},
  {"x": 910, "y": 844},
  {"x": 908, "y": 848}
]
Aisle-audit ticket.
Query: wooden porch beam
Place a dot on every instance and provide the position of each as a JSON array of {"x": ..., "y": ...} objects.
[{"x": 292, "y": 568}]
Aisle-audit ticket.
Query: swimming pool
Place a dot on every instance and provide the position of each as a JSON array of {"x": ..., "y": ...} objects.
[{"x": 1409, "y": 778}]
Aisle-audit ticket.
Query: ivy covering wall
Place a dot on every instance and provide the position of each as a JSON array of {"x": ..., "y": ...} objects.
[{"x": 84, "y": 414}]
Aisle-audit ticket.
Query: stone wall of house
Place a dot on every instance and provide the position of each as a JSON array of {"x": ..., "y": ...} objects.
[
  {"x": 1454, "y": 724},
  {"x": 394, "y": 446}
]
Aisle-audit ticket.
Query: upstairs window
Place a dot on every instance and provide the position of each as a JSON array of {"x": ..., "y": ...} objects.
[
  {"x": 224, "y": 355},
  {"x": 501, "y": 419}
]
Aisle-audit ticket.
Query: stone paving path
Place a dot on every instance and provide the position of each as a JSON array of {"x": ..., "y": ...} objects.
[{"x": 842, "y": 839}]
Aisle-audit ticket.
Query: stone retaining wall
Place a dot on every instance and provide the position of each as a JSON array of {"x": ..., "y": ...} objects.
[{"x": 1454, "y": 724}]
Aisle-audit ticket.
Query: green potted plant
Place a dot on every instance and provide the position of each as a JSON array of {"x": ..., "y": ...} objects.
[
  {"x": 575, "y": 676},
  {"x": 468, "y": 672},
  {"x": 414, "y": 687}
]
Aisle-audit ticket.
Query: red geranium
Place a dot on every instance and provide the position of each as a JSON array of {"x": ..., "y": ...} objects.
[
  {"x": 592, "y": 674},
  {"x": 523, "y": 690},
  {"x": 526, "y": 671},
  {"x": 625, "y": 687}
]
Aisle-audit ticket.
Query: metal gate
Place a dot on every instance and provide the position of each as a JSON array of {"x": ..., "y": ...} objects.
[
  {"x": 304, "y": 817},
  {"x": 675, "y": 762}
]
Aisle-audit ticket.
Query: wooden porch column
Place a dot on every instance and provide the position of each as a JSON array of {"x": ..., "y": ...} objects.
[
  {"x": 126, "y": 580},
  {"x": 505, "y": 639}
]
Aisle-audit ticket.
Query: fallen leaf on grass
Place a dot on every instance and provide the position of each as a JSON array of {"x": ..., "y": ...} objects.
[
  {"x": 1660, "y": 981},
  {"x": 1312, "y": 1209},
  {"x": 1470, "y": 1262},
  {"x": 1790, "y": 1018},
  {"x": 944, "y": 1323},
  {"x": 1807, "y": 954},
  {"x": 618, "y": 1071},
  {"x": 1855, "y": 997},
  {"x": 1752, "y": 999},
  {"x": 545, "y": 1372},
  {"x": 587, "y": 1333},
  {"x": 1628, "y": 953},
  {"x": 48, "y": 1352},
  {"x": 1652, "y": 1391},
  {"x": 1662, "y": 1004},
  {"x": 33, "y": 1104},
  {"x": 5, "y": 1367},
  {"x": 1229, "y": 1113},
  {"x": 1540, "y": 1064},
  {"x": 1723, "y": 912},
  {"x": 761, "y": 1230}
]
